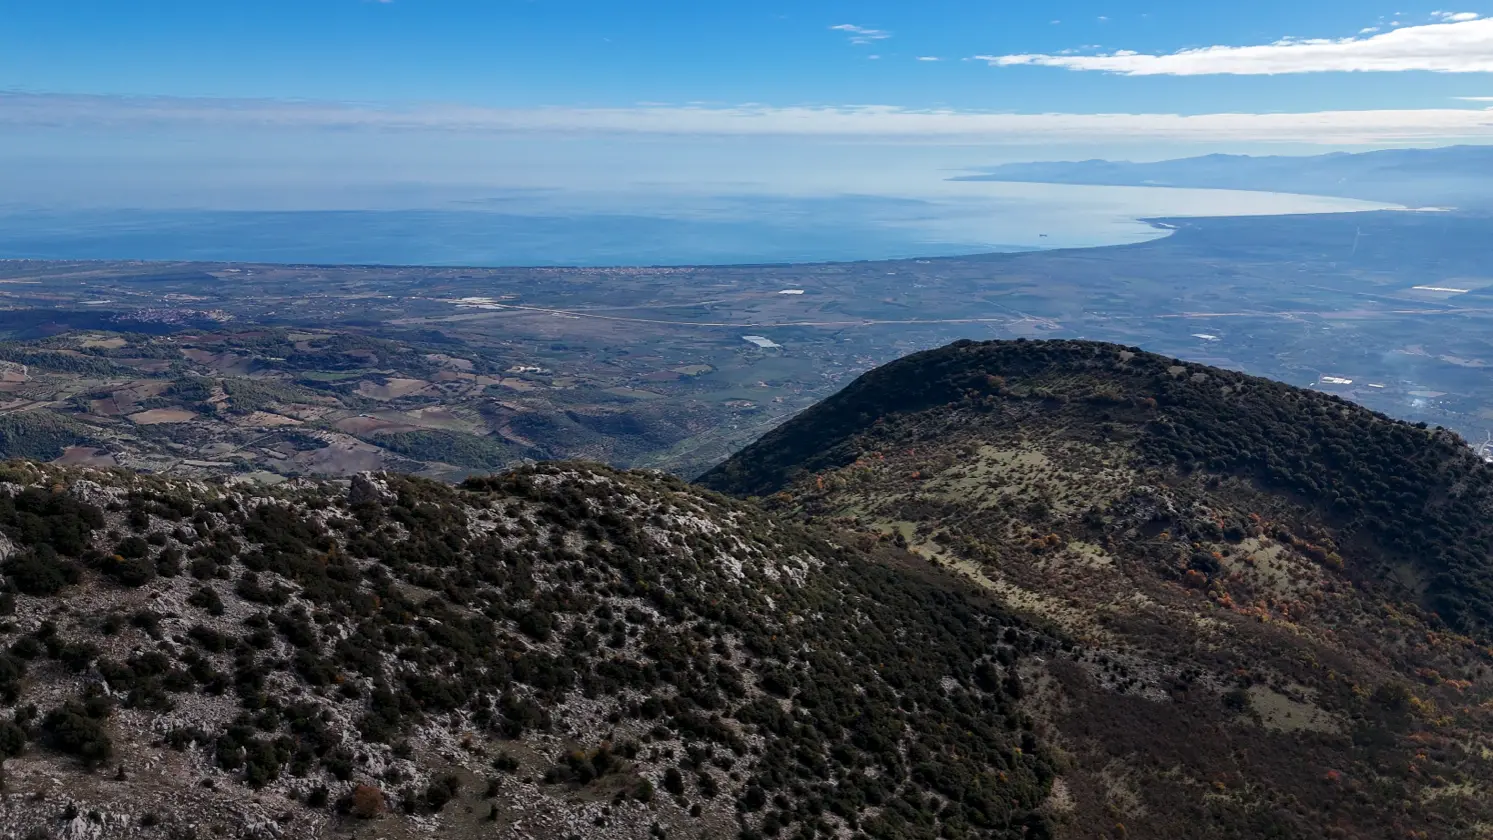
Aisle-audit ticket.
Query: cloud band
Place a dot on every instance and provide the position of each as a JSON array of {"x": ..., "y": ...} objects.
[
  {"x": 1462, "y": 44},
  {"x": 887, "y": 122}
]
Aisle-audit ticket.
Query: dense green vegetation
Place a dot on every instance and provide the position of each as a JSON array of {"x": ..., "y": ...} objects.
[
  {"x": 56, "y": 360},
  {"x": 246, "y": 396},
  {"x": 275, "y": 350},
  {"x": 459, "y": 448},
  {"x": 40, "y": 435}
]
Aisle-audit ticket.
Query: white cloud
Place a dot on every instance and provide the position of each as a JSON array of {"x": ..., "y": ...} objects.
[
  {"x": 113, "y": 114},
  {"x": 1474, "y": 98},
  {"x": 861, "y": 34},
  {"x": 1461, "y": 45},
  {"x": 1456, "y": 16},
  {"x": 929, "y": 58}
]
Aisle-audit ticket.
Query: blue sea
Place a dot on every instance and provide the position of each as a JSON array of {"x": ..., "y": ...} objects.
[{"x": 548, "y": 228}]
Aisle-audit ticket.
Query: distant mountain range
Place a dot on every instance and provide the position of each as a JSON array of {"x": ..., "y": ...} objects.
[{"x": 1454, "y": 176}]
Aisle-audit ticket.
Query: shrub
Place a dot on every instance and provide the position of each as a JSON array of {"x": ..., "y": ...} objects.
[
  {"x": 26, "y": 647},
  {"x": 12, "y": 740},
  {"x": 208, "y": 599},
  {"x": 133, "y": 548},
  {"x": 210, "y": 639},
  {"x": 78, "y": 730},
  {"x": 168, "y": 562},
  {"x": 262, "y": 761},
  {"x": 147, "y": 621},
  {"x": 182, "y": 737},
  {"x": 77, "y": 656},
  {"x": 366, "y": 802},
  {"x": 41, "y": 571},
  {"x": 1236, "y": 700},
  {"x": 441, "y": 791},
  {"x": 1393, "y": 696},
  {"x": 130, "y": 571},
  {"x": 13, "y": 669},
  {"x": 36, "y": 517}
]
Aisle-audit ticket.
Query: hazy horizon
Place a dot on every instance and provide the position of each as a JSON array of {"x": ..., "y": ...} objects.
[{"x": 624, "y": 228}]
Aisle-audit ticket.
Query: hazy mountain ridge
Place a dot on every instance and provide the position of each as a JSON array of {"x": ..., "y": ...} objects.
[
  {"x": 1250, "y": 574},
  {"x": 1453, "y": 176}
]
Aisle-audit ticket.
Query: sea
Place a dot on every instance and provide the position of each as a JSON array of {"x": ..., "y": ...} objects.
[{"x": 644, "y": 227}]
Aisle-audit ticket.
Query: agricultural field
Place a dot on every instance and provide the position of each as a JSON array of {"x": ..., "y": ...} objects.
[{"x": 281, "y": 370}]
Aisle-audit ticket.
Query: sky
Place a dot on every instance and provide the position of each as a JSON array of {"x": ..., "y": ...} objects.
[{"x": 352, "y": 102}]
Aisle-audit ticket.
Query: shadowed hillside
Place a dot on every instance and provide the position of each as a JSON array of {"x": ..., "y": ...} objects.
[
  {"x": 1276, "y": 604},
  {"x": 1415, "y": 503}
]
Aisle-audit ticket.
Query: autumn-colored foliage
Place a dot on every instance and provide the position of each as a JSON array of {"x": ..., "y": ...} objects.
[{"x": 367, "y": 802}]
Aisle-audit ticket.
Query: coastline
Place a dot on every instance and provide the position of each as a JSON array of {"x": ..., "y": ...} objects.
[{"x": 1012, "y": 219}]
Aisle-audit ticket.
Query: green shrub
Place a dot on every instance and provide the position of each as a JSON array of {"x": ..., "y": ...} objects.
[
  {"x": 441, "y": 791},
  {"x": 78, "y": 729},
  {"x": 130, "y": 571},
  {"x": 132, "y": 547},
  {"x": 207, "y": 599},
  {"x": 12, "y": 740},
  {"x": 458, "y": 448},
  {"x": 36, "y": 517},
  {"x": 41, "y": 571}
]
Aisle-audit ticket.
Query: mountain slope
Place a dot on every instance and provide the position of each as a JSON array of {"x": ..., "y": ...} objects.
[
  {"x": 1449, "y": 176},
  {"x": 1275, "y": 605},
  {"x": 561, "y": 651}
]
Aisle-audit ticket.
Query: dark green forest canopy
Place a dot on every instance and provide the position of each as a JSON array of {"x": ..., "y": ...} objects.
[{"x": 40, "y": 435}]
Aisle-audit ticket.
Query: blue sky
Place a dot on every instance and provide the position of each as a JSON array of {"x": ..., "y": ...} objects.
[
  {"x": 179, "y": 89},
  {"x": 602, "y": 52}
]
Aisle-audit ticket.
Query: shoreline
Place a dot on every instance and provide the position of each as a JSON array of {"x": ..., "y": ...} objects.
[{"x": 1109, "y": 230}]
